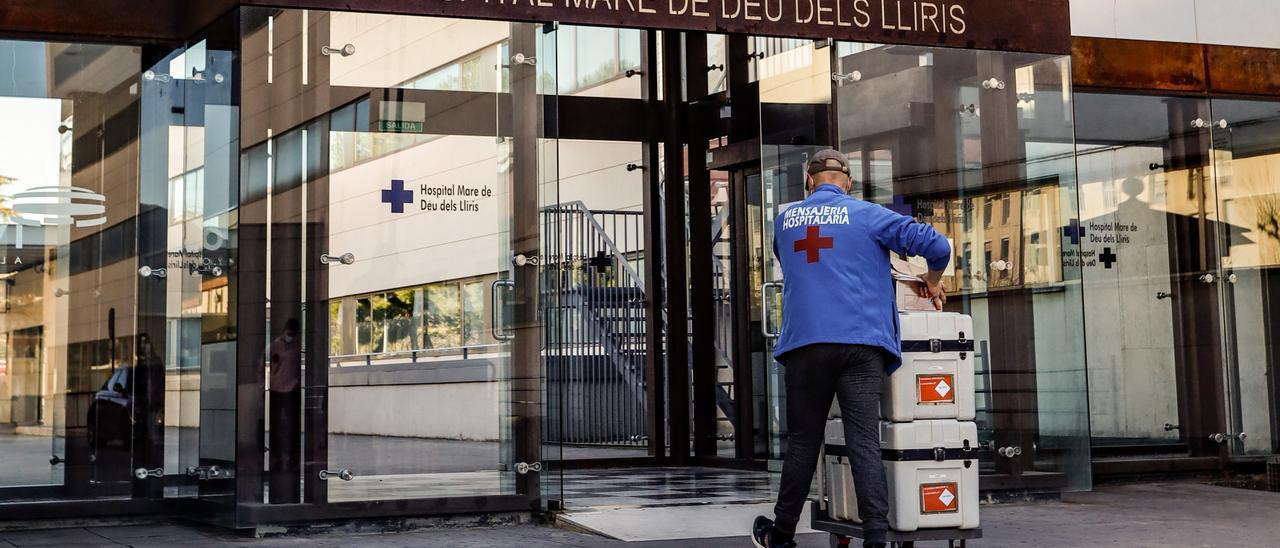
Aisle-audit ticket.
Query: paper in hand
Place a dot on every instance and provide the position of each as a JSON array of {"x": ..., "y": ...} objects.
[{"x": 904, "y": 277}]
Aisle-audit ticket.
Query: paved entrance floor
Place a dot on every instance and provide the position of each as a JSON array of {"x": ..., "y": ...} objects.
[{"x": 1154, "y": 514}]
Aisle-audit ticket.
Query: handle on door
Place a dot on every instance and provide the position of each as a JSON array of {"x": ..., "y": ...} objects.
[
  {"x": 1009, "y": 452},
  {"x": 767, "y": 308},
  {"x": 345, "y": 258},
  {"x": 495, "y": 304}
]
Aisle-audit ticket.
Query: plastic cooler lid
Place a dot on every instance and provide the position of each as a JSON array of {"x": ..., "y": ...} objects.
[
  {"x": 928, "y": 434},
  {"x": 924, "y": 326}
]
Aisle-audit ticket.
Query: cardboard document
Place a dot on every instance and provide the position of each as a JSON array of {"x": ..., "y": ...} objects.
[{"x": 906, "y": 275}]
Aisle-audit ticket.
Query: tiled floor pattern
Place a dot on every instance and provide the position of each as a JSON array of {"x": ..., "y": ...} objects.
[
  {"x": 665, "y": 487},
  {"x": 673, "y": 522}
]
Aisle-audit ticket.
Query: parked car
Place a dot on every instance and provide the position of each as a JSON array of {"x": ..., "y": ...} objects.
[{"x": 111, "y": 412}]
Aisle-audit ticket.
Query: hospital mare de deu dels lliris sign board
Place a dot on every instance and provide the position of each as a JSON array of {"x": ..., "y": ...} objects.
[{"x": 1012, "y": 25}]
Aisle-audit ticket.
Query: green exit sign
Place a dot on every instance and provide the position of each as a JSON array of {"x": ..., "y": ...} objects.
[{"x": 399, "y": 126}]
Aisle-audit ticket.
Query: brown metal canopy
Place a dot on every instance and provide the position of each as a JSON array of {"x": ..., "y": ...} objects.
[{"x": 1041, "y": 26}]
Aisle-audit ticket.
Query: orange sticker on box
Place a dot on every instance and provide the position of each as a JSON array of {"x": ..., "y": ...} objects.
[
  {"x": 939, "y": 498},
  {"x": 936, "y": 389}
]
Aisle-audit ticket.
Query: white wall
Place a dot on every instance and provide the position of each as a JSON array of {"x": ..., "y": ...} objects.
[
  {"x": 392, "y": 49},
  {"x": 1250, "y": 23},
  {"x": 396, "y": 250},
  {"x": 458, "y": 411}
]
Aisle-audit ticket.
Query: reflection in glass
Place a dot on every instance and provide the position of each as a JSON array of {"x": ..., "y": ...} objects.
[
  {"x": 991, "y": 168},
  {"x": 68, "y": 393},
  {"x": 1133, "y": 214},
  {"x": 415, "y": 150},
  {"x": 1246, "y": 164}
]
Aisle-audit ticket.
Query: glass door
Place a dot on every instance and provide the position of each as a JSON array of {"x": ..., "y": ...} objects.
[
  {"x": 1147, "y": 226},
  {"x": 779, "y": 185},
  {"x": 397, "y": 217},
  {"x": 1245, "y": 155},
  {"x": 795, "y": 109}
]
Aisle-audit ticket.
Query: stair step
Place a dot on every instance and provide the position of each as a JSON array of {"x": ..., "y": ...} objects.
[{"x": 1173, "y": 449}]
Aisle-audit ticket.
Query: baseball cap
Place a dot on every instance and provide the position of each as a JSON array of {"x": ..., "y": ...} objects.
[{"x": 823, "y": 161}]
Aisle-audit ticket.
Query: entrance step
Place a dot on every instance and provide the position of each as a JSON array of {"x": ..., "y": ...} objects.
[
  {"x": 1140, "y": 450},
  {"x": 1137, "y": 466},
  {"x": 671, "y": 522}
]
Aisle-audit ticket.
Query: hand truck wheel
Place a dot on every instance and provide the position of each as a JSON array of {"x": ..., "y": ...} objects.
[{"x": 839, "y": 541}]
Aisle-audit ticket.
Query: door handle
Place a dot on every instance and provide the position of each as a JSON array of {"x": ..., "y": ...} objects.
[
  {"x": 344, "y": 474},
  {"x": 1009, "y": 452},
  {"x": 767, "y": 308},
  {"x": 345, "y": 258},
  {"x": 147, "y": 272},
  {"x": 144, "y": 473},
  {"x": 495, "y": 304}
]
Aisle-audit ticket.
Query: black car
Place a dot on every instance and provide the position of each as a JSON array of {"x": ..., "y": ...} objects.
[{"x": 111, "y": 412}]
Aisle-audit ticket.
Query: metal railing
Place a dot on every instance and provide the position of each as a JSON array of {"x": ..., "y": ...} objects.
[
  {"x": 594, "y": 298},
  {"x": 416, "y": 356}
]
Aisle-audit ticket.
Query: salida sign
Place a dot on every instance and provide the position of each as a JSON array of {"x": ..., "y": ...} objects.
[{"x": 1023, "y": 25}]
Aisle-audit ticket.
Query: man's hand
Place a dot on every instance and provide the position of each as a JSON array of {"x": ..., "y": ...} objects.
[{"x": 933, "y": 289}]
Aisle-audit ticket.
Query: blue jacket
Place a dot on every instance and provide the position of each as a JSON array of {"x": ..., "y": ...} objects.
[{"x": 834, "y": 252}]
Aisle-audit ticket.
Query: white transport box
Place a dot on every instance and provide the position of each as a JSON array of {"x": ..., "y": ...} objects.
[
  {"x": 936, "y": 377},
  {"x": 932, "y": 471}
]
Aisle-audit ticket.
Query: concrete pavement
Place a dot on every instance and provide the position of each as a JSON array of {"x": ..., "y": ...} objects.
[{"x": 1142, "y": 515}]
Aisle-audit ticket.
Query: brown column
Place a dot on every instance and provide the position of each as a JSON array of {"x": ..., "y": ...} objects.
[
  {"x": 525, "y": 116},
  {"x": 701, "y": 310},
  {"x": 675, "y": 247},
  {"x": 655, "y": 288}
]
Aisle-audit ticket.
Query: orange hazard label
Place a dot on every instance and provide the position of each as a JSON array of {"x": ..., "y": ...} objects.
[
  {"x": 938, "y": 498},
  {"x": 936, "y": 389}
]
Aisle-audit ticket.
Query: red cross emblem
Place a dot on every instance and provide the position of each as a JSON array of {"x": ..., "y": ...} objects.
[{"x": 813, "y": 244}]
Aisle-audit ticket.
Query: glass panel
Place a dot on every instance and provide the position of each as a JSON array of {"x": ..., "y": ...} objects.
[
  {"x": 1246, "y": 156},
  {"x": 793, "y": 94},
  {"x": 997, "y": 145},
  {"x": 70, "y": 391},
  {"x": 597, "y": 62},
  {"x": 194, "y": 151},
  {"x": 722, "y": 242},
  {"x": 717, "y": 64},
  {"x": 396, "y": 205},
  {"x": 596, "y": 307},
  {"x": 1140, "y": 161}
]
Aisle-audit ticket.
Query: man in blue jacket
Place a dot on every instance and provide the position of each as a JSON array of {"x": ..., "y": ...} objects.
[{"x": 840, "y": 335}]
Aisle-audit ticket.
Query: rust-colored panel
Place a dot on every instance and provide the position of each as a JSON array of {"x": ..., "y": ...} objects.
[
  {"x": 120, "y": 21},
  {"x": 1138, "y": 64},
  {"x": 1252, "y": 71},
  {"x": 152, "y": 20}
]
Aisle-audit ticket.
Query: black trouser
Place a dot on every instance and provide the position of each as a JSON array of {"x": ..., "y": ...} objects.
[
  {"x": 286, "y": 427},
  {"x": 815, "y": 374}
]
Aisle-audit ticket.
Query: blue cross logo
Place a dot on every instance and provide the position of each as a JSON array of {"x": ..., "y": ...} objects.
[
  {"x": 1108, "y": 258},
  {"x": 1075, "y": 232},
  {"x": 397, "y": 196}
]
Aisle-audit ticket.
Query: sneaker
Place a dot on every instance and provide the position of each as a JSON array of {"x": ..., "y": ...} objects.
[{"x": 762, "y": 533}]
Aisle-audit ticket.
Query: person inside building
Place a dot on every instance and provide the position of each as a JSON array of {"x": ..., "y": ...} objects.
[
  {"x": 840, "y": 335},
  {"x": 285, "y": 358}
]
